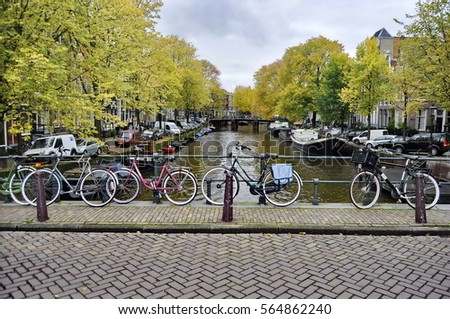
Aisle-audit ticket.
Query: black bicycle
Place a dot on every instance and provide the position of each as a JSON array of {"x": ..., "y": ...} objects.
[
  {"x": 365, "y": 187},
  {"x": 278, "y": 183}
]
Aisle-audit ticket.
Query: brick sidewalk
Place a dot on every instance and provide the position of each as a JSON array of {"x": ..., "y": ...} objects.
[{"x": 384, "y": 219}]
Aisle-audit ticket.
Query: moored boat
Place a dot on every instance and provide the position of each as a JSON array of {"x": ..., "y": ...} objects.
[{"x": 308, "y": 142}]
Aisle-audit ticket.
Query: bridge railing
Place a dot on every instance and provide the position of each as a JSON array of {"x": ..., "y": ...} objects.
[{"x": 440, "y": 167}]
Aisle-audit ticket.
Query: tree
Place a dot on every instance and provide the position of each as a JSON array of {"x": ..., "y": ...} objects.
[
  {"x": 301, "y": 75},
  {"x": 426, "y": 49},
  {"x": 244, "y": 99},
  {"x": 369, "y": 82},
  {"x": 66, "y": 60},
  {"x": 267, "y": 90},
  {"x": 330, "y": 105},
  {"x": 407, "y": 85}
]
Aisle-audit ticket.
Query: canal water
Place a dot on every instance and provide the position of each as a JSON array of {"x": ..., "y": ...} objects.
[{"x": 333, "y": 174}]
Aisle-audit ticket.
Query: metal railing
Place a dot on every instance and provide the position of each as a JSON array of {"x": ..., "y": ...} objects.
[{"x": 151, "y": 159}]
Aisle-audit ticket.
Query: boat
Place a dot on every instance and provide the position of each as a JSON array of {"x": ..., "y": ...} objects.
[
  {"x": 277, "y": 126},
  {"x": 302, "y": 135},
  {"x": 168, "y": 150},
  {"x": 308, "y": 142},
  {"x": 285, "y": 133}
]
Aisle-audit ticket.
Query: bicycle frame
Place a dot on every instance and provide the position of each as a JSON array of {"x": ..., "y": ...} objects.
[
  {"x": 74, "y": 190},
  {"x": 154, "y": 185},
  {"x": 407, "y": 171},
  {"x": 253, "y": 184}
]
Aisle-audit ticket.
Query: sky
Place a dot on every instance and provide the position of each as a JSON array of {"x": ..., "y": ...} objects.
[{"x": 241, "y": 36}]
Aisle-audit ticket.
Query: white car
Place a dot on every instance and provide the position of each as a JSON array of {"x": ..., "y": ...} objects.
[
  {"x": 88, "y": 147},
  {"x": 380, "y": 141}
]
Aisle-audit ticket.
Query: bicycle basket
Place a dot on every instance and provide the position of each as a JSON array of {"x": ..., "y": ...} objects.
[
  {"x": 420, "y": 165},
  {"x": 365, "y": 158},
  {"x": 282, "y": 173}
]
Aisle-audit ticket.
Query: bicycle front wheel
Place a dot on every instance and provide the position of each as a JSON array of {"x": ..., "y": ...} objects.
[
  {"x": 365, "y": 190},
  {"x": 98, "y": 188},
  {"x": 213, "y": 186},
  {"x": 180, "y": 187},
  {"x": 282, "y": 194},
  {"x": 431, "y": 190},
  {"x": 15, "y": 185},
  {"x": 128, "y": 186},
  {"x": 50, "y": 182}
]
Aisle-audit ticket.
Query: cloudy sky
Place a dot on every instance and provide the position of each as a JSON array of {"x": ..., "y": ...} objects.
[{"x": 240, "y": 36}]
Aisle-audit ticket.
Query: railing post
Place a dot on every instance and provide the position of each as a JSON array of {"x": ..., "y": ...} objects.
[
  {"x": 41, "y": 204},
  {"x": 227, "y": 215},
  {"x": 315, "y": 200},
  {"x": 421, "y": 217}
]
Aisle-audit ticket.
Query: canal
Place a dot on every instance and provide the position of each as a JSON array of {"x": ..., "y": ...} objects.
[{"x": 334, "y": 175}]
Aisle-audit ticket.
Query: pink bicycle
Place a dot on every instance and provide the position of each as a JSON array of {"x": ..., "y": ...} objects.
[{"x": 178, "y": 184}]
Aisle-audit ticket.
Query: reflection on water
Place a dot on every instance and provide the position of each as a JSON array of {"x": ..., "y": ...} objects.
[{"x": 221, "y": 143}]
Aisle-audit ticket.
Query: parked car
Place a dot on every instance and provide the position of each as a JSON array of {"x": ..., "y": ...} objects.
[
  {"x": 381, "y": 141},
  {"x": 362, "y": 138},
  {"x": 52, "y": 144},
  {"x": 351, "y": 134},
  {"x": 435, "y": 143},
  {"x": 169, "y": 128},
  {"x": 87, "y": 146},
  {"x": 127, "y": 138}
]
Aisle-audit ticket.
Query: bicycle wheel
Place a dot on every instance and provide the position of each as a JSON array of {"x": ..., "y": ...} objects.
[
  {"x": 180, "y": 187},
  {"x": 213, "y": 186},
  {"x": 98, "y": 188},
  {"x": 430, "y": 190},
  {"x": 128, "y": 186},
  {"x": 51, "y": 183},
  {"x": 282, "y": 195},
  {"x": 15, "y": 185},
  {"x": 365, "y": 190}
]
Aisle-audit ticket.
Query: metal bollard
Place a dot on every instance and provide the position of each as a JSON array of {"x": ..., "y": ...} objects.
[
  {"x": 41, "y": 204},
  {"x": 227, "y": 214},
  {"x": 315, "y": 200},
  {"x": 421, "y": 217}
]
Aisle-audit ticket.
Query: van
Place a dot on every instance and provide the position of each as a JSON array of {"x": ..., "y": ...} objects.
[
  {"x": 169, "y": 127},
  {"x": 362, "y": 137},
  {"x": 52, "y": 144}
]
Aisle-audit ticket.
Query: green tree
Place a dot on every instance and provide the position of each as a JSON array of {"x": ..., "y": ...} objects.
[
  {"x": 267, "y": 90},
  {"x": 66, "y": 60},
  {"x": 407, "y": 84},
  {"x": 195, "y": 90},
  {"x": 369, "y": 80},
  {"x": 330, "y": 105},
  {"x": 426, "y": 49},
  {"x": 244, "y": 99},
  {"x": 301, "y": 75}
]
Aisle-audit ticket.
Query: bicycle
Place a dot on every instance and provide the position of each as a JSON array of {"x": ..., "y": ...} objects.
[
  {"x": 365, "y": 187},
  {"x": 179, "y": 185},
  {"x": 278, "y": 189},
  {"x": 96, "y": 187},
  {"x": 13, "y": 182}
]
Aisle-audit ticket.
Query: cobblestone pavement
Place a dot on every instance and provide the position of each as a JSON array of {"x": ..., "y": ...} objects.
[
  {"x": 141, "y": 265},
  {"x": 162, "y": 251}
]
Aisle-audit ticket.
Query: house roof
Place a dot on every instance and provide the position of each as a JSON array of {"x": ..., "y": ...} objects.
[{"x": 382, "y": 33}]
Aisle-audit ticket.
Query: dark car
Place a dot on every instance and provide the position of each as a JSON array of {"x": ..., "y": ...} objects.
[{"x": 434, "y": 143}]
